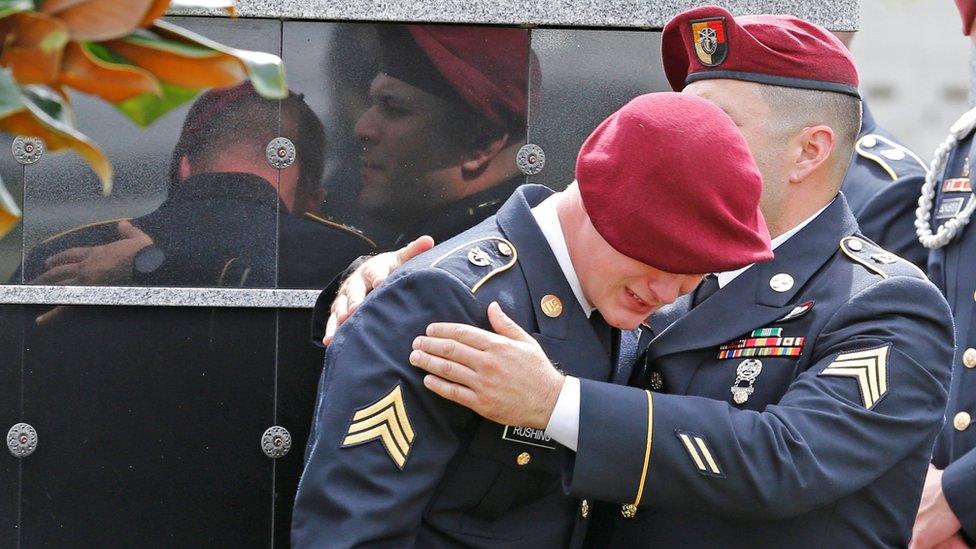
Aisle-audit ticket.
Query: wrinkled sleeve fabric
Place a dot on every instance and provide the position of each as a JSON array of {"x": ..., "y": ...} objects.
[
  {"x": 362, "y": 490},
  {"x": 820, "y": 441},
  {"x": 959, "y": 487}
]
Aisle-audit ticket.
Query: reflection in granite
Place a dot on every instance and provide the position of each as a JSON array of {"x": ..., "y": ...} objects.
[
  {"x": 833, "y": 14},
  {"x": 619, "y": 65}
]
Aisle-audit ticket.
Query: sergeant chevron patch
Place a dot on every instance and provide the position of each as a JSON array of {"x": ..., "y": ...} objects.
[
  {"x": 869, "y": 368},
  {"x": 386, "y": 420}
]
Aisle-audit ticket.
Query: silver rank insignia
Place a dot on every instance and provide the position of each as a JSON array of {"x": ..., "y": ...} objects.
[
  {"x": 478, "y": 257},
  {"x": 747, "y": 372}
]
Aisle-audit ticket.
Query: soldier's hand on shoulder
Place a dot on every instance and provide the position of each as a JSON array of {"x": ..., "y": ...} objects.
[
  {"x": 106, "y": 264},
  {"x": 366, "y": 278},
  {"x": 503, "y": 376}
]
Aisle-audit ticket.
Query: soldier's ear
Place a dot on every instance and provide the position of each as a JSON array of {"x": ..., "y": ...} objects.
[
  {"x": 813, "y": 147},
  {"x": 477, "y": 159},
  {"x": 185, "y": 169}
]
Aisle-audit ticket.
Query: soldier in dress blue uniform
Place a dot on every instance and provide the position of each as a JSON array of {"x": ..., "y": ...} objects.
[
  {"x": 390, "y": 463},
  {"x": 882, "y": 184},
  {"x": 219, "y": 223},
  {"x": 799, "y": 405},
  {"x": 881, "y": 188},
  {"x": 947, "y": 516},
  {"x": 447, "y": 117}
]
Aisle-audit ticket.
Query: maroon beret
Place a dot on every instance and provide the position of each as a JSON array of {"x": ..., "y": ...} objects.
[
  {"x": 487, "y": 66},
  {"x": 780, "y": 50},
  {"x": 967, "y": 10},
  {"x": 668, "y": 180}
]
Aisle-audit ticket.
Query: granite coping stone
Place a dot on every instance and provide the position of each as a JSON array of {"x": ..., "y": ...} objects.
[
  {"x": 832, "y": 14},
  {"x": 158, "y": 297}
]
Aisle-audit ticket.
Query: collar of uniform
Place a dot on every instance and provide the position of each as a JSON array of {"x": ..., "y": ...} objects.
[
  {"x": 803, "y": 254},
  {"x": 729, "y": 276},
  {"x": 750, "y": 302},
  {"x": 245, "y": 187},
  {"x": 543, "y": 274},
  {"x": 548, "y": 220},
  {"x": 459, "y": 216}
]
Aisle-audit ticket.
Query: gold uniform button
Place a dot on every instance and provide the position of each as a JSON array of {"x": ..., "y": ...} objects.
[
  {"x": 524, "y": 458},
  {"x": 969, "y": 358},
  {"x": 961, "y": 421},
  {"x": 585, "y": 509},
  {"x": 552, "y": 306},
  {"x": 628, "y": 510}
]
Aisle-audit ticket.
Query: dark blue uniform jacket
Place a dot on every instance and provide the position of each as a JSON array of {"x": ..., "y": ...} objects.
[
  {"x": 953, "y": 269},
  {"x": 831, "y": 446},
  {"x": 391, "y": 464},
  {"x": 882, "y": 187}
]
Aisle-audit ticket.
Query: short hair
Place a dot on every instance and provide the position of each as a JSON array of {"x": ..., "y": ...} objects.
[
  {"x": 795, "y": 108},
  {"x": 222, "y": 120}
]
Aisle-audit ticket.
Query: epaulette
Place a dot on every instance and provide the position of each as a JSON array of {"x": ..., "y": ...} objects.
[
  {"x": 895, "y": 159},
  {"x": 476, "y": 262},
  {"x": 878, "y": 260},
  {"x": 84, "y": 227},
  {"x": 341, "y": 227},
  {"x": 964, "y": 125}
]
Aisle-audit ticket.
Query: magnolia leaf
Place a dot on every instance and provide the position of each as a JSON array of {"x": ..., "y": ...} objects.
[
  {"x": 266, "y": 71},
  {"x": 9, "y": 212},
  {"x": 98, "y": 20},
  {"x": 13, "y": 6},
  {"x": 179, "y": 64},
  {"x": 43, "y": 113},
  {"x": 157, "y": 10},
  {"x": 148, "y": 107},
  {"x": 32, "y": 46},
  {"x": 90, "y": 68},
  {"x": 10, "y": 100}
]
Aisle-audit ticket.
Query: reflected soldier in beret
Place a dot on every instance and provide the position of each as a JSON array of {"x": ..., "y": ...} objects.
[
  {"x": 447, "y": 116},
  {"x": 790, "y": 403},
  {"x": 218, "y": 226},
  {"x": 947, "y": 515},
  {"x": 391, "y": 464}
]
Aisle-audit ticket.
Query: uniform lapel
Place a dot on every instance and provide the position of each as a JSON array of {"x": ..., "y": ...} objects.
[
  {"x": 568, "y": 338},
  {"x": 749, "y": 301}
]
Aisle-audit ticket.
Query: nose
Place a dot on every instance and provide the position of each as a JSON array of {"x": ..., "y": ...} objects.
[
  {"x": 666, "y": 289},
  {"x": 366, "y": 128}
]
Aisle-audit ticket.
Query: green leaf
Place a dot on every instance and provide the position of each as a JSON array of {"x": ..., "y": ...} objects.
[
  {"x": 147, "y": 108},
  {"x": 149, "y": 39},
  {"x": 8, "y": 7},
  {"x": 10, "y": 98},
  {"x": 266, "y": 71},
  {"x": 51, "y": 103}
]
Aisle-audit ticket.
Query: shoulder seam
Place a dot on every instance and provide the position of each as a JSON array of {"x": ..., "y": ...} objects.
[
  {"x": 339, "y": 226},
  {"x": 83, "y": 227}
]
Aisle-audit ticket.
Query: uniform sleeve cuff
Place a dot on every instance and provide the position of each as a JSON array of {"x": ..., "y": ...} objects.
[
  {"x": 958, "y": 480},
  {"x": 563, "y": 425}
]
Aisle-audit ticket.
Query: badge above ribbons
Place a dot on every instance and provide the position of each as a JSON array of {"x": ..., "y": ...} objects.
[{"x": 711, "y": 44}]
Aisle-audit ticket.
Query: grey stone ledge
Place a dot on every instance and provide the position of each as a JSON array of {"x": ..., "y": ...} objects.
[
  {"x": 832, "y": 14},
  {"x": 157, "y": 297}
]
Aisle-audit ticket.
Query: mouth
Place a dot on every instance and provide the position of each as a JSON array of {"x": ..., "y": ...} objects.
[{"x": 638, "y": 303}]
